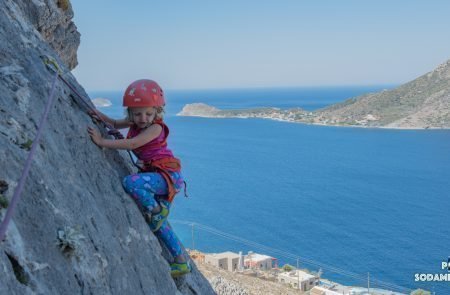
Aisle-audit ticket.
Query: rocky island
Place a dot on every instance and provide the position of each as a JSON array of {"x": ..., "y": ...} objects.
[
  {"x": 420, "y": 104},
  {"x": 101, "y": 102}
]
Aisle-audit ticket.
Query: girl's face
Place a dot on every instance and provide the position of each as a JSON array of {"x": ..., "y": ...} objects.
[{"x": 143, "y": 117}]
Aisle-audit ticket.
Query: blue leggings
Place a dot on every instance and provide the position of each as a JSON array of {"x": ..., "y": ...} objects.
[{"x": 144, "y": 189}]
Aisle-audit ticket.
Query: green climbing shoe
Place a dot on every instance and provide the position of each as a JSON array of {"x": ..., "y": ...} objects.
[
  {"x": 157, "y": 219},
  {"x": 179, "y": 269}
]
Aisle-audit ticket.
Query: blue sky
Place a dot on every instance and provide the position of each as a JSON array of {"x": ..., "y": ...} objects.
[{"x": 239, "y": 44}]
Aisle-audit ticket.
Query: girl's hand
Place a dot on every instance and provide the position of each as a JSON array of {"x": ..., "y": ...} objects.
[
  {"x": 95, "y": 114},
  {"x": 96, "y": 137}
]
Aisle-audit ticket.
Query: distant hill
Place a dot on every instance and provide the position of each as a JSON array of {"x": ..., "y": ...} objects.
[{"x": 421, "y": 103}]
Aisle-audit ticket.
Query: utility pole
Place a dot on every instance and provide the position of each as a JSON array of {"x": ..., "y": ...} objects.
[
  {"x": 193, "y": 243},
  {"x": 368, "y": 282}
]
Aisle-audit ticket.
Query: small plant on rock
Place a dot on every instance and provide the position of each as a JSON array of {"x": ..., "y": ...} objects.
[
  {"x": 3, "y": 188},
  {"x": 27, "y": 145},
  {"x": 69, "y": 239},
  {"x": 3, "y": 202}
]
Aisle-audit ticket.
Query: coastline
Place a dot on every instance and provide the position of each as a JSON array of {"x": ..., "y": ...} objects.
[
  {"x": 273, "y": 280},
  {"x": 412, "y": 128}
]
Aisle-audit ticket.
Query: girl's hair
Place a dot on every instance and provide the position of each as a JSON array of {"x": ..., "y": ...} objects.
[{"x": 159, "y": 113}]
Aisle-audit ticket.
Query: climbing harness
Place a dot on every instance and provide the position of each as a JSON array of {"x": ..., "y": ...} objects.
[{"x": 163, "y": 165}]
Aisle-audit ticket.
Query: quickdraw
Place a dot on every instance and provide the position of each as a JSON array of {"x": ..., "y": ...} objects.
[{"x": 53, "y": 66}]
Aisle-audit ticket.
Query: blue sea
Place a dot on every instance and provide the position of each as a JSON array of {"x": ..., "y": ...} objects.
[{"x": 361, "y": 200}]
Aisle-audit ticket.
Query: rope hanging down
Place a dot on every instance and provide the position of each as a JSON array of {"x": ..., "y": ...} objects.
[{"x": 23, "y": 177}]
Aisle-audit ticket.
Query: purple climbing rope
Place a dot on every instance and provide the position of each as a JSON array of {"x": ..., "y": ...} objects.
[
  {"x": 111, "y": 130},
  {"x": 23, "y": 177}
]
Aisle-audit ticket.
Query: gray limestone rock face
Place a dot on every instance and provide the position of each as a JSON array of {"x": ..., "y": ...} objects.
[
  {"x": 74, "y": 188},
  {"x": 52, "y": 20}
]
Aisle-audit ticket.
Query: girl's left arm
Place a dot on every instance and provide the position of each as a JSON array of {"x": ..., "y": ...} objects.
[{"x": 147, "y": 135}]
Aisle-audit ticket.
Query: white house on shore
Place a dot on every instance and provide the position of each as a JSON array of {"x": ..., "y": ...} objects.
[
  {"x": 323, "y": 291},
  {"x": 299, "y": 279},
  {"x": 226, "y": 260},
  {"x": 259, "y": 261},
  {"x": 237, "y": 262}
]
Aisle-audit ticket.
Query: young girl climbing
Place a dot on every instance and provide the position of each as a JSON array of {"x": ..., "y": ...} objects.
[{"x": 160, "y": 177}]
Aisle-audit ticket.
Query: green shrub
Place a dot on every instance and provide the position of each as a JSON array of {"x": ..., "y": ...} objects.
[
  {"x": 63, "y": 4},
  {"x": 288, "y": 267},
  {"x": 420, "y": 292},
  {"x": 3, "y": 202},
  {"x": 27, "y": 145}
]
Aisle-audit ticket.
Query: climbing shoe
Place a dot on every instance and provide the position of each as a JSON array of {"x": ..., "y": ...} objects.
[
  {"x": 179, "y": 269},
  {"x": 158, "y": 219},
  {"x": 147, "y": 217}
]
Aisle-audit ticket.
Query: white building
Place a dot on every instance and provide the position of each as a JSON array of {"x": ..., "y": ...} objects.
[
  {"x": 323, "y": 291},
  {"x": 299, "y": 279},
  {"x": 259, "y": 261},
  {"x": 226, "y": 260}
]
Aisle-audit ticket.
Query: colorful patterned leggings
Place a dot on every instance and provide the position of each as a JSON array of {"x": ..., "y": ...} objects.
[{"x": 145, "y": 188}]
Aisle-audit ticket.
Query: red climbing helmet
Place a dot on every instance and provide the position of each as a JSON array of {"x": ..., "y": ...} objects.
[{"x": 143, "y": 93}]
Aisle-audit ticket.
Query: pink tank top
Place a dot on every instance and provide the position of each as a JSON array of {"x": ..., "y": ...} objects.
[{"x": 152, "y": 150}]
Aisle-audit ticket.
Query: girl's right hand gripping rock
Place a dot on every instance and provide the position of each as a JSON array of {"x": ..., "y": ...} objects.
[
  {"x": 96, "y": 137},
  {"x": 95, "y": 115}
]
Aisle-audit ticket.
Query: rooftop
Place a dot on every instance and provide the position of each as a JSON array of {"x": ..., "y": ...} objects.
[
  {"x": 297, "y": 273},
  {"x": 258, "y": 257},
  {"x": 227, "y": 254}
]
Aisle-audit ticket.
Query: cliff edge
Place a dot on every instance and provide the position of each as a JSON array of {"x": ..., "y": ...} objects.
[{"x": 74, "y": 188}]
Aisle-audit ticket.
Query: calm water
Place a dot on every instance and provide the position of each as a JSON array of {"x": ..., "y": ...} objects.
[{"x": 362, "y": 200}]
